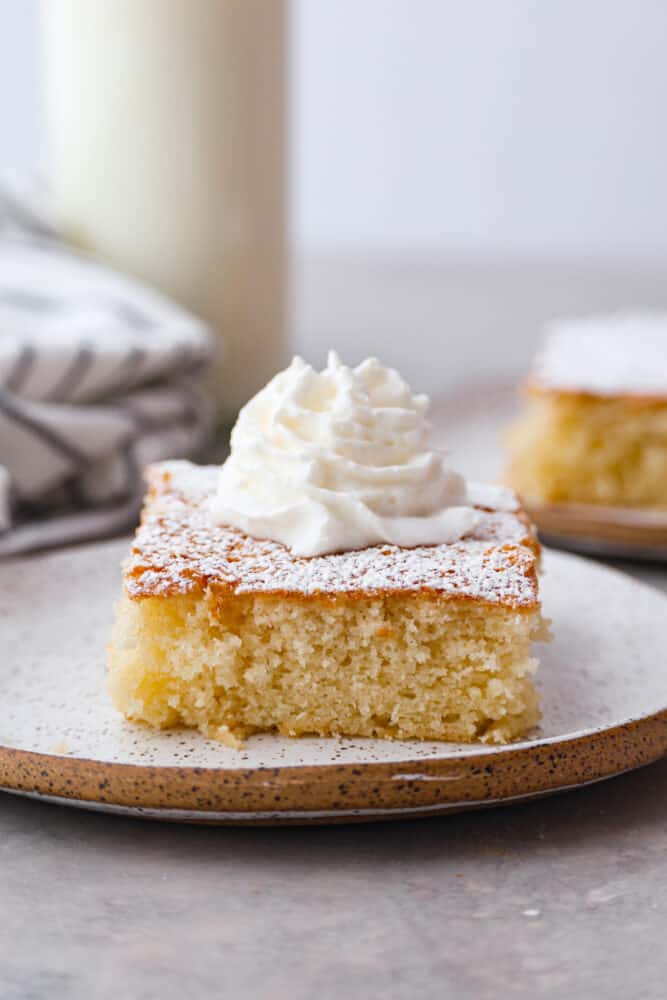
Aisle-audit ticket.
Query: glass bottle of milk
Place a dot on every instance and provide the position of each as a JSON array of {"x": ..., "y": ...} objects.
[{"x": 168, "y": 137}]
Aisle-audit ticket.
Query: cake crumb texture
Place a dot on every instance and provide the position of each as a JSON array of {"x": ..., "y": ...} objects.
[
  {"x": 388, "y": 666},
  {"x": 577, "y": 448}
]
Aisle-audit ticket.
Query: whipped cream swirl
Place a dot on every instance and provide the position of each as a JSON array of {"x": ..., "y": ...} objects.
[{"x": 337, "y": 460}]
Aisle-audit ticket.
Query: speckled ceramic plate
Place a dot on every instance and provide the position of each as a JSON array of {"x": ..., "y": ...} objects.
[{"x": 604, "y": 694}]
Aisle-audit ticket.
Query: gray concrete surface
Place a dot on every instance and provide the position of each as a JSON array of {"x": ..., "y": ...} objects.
[{"x": 565, "y": 898}]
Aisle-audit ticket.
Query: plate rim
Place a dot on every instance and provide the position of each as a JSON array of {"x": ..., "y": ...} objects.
[
  {"x": 526, "y": 770},
  {"x": 632, "y": 517},
  {"x": 626, "y": 532},
  {"x": 301, "y": 818}
]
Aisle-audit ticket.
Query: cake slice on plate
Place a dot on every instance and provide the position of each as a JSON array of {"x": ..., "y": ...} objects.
[
  {"x": 594, "y": 429},
  {"x": 226, "y": 629}
]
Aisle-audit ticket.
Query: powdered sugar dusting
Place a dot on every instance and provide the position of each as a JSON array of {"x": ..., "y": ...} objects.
[
  {"x": 617, "y": 355},
  {"x": 179, "y": 549}
]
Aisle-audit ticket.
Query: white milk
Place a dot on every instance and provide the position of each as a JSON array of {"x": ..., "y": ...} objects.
[{"x": 168, "y": 130}]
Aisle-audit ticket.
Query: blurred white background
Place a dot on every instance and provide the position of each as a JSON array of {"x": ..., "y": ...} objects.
[
  {"x": 461, "y": 169},
  {"x": 482, "y": 126}
]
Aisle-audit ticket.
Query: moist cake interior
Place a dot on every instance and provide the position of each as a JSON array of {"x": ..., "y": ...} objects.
[
  {"x": 232, "y": 635},
  {"x": 578, "y": 448}
]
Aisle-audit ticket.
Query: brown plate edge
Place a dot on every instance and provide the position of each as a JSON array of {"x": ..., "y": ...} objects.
[
  {"x": 337, "y": 792},
  {"x": 613, "y": 524}
]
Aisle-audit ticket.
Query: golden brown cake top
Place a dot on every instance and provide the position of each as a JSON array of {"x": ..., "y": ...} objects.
[{"x": 178, "y": 549}]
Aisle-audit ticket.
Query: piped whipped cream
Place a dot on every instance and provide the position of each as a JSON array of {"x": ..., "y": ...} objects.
[{"x": 338, "y": 460}]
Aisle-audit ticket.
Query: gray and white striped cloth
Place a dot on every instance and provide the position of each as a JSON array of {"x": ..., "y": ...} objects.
[{"x": 98, "y": 376}]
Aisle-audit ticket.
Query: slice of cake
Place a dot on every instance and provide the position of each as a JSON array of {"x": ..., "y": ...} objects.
[
  {"x": 233, "y": 635},
  {"x": 333, "y": 578},
  {"x": 594, "y": 429}
]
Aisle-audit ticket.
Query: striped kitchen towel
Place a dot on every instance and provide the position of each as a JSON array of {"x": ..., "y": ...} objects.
[{"x": 99, "y": 376}]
